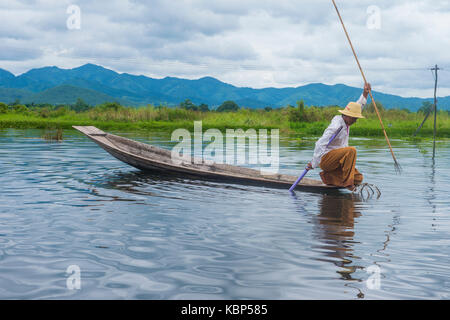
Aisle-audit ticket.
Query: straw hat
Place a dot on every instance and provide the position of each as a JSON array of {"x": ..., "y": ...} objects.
[{"x": 353, "y": 110}]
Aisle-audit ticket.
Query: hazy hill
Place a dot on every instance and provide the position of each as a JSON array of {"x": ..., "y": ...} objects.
[
  {"x": 67, "y": 94},
  {"x": 95, "y": 84}
]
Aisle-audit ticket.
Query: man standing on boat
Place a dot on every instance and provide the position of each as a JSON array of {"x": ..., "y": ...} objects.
[{"x": 336, "y": 158}]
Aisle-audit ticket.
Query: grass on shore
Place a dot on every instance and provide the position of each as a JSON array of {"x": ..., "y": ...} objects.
[{"x": 311, "y": 122}]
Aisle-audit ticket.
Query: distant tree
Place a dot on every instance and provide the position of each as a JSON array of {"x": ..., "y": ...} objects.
[
  {"x": 203, "y": 107},
  {"x": 45, "y": 105},
  {"x": 107, "y": 106},
  {"x": 3, "y": 107},
  {"x": 20, "y": 108},
  {"x": 268, "y": 108},
  {"x": 44, "y": 112},
  {"x": 15, "y": 102},
  {"x": 80, "y": 106},
  {"x": 301, "y": 110},
  {"x": 228, "y": 106},
  {"x": 60, "y": 111},
  {"x": 426, "y": 106},
  {"x": 188, "y": 105},
  {"x": 297, "y": 114},
  {"x": 405, "y": 110},
  {"x": 371, "y": 109}
]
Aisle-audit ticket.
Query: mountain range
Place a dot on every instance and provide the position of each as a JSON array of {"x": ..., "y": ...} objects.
[{"x": 96, "y": 84}]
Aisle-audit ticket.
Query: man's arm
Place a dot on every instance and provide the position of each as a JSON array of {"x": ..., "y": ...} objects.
[
  {"x": 363, "y": 99},
  {"x": 367, "y": 88}
]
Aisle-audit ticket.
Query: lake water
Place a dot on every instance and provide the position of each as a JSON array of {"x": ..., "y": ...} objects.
[{"x": 145, "y": 236}]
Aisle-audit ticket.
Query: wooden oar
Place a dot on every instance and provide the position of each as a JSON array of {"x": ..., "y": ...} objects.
[
  {"x": 396, "y": 164},
  {"x": 291, "y": 189}
]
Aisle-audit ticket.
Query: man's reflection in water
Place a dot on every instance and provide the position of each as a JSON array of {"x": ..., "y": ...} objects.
[{"x": 334, "y": 228}]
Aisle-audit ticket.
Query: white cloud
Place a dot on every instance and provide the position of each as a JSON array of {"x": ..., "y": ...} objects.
[{"x": 246, "y": 43}]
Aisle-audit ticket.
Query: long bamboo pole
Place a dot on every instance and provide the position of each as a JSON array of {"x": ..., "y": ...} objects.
[
  {"x": 397, "y": 165},
  {"x": 435, "y": 109}
]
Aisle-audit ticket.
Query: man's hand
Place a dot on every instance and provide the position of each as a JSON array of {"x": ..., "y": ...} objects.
[
  {"x": 309, "y": 166},
  {"x": 367, "y": 88}
]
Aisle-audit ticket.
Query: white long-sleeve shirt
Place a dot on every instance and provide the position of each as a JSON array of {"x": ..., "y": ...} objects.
[{"x": 340, "y": 141}]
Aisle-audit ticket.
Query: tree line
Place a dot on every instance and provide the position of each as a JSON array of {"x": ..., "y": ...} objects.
[
  {"x": 298, "y": 113},
  {"x": 81, "y": 106}
]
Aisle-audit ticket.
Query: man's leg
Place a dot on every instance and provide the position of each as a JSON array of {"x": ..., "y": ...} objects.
[
  {"x": 338, "y": 167},
  {"x": 358, "y": 179}
]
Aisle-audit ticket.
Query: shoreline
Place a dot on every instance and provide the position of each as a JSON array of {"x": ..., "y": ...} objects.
[
  {"x": 312, "y": 129},
  {"x": 300, "y": 122}
]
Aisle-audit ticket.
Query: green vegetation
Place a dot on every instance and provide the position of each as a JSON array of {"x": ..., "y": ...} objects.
[
  {"x": 189, "y": 105},
  {"x": 302, "y": 120},
  {"x": 228, "y": 106}
]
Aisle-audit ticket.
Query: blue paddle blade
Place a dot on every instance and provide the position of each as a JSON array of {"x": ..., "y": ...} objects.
[{"x": 298, "y": 180}]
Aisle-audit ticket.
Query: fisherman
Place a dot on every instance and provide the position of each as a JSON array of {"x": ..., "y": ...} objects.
[{"x": 337, "y": 159}]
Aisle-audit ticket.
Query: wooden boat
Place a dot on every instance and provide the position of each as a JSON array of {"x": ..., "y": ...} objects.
[{"x": 151, "y": 158}]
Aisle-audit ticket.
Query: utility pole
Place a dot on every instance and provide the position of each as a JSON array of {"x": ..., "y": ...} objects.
[
  {"x": 435, "y": 69},
  {"x": 430, "y": 110}
]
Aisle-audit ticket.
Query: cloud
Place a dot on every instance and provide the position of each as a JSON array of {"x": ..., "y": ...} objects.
[
  {"x": 16, "y": 50},
  {"x": 251, "y": 43}
]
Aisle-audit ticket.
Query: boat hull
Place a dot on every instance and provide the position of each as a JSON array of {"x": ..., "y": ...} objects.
[{"x": 150, "y": 158}]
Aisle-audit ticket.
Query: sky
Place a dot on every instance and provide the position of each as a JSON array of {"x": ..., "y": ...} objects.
[{"x": 247, "y": 43}]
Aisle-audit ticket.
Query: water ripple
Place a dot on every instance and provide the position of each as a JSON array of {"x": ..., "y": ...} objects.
[{"x": 138, "y": 235}]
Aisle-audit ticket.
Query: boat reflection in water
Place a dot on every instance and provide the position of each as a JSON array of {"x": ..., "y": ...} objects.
[{"x": 334, "y": 228}]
